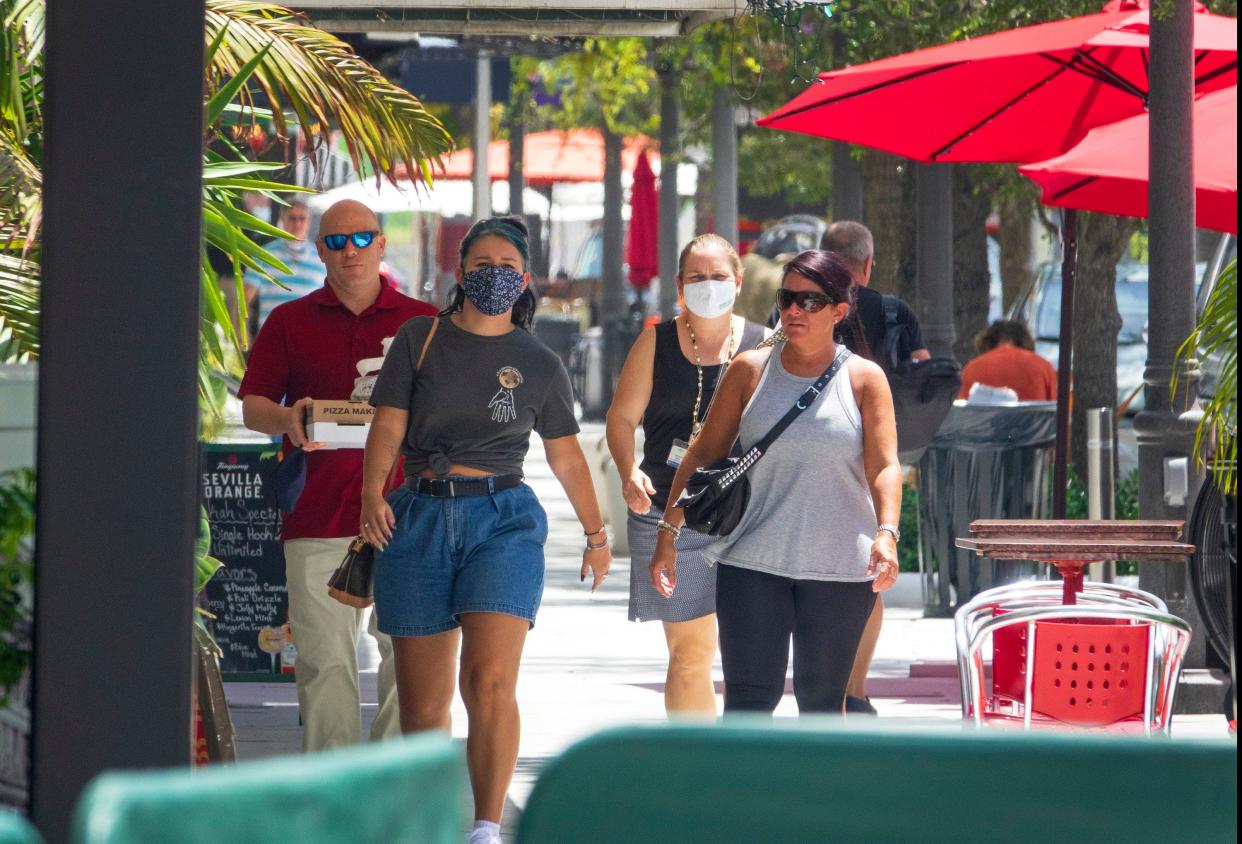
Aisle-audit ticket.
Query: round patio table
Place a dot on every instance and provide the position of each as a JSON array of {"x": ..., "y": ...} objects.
[{"x": 1070, "y": 545}]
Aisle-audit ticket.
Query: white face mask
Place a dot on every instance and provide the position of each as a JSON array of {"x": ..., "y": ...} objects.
[{"x": 710, "y": 299}]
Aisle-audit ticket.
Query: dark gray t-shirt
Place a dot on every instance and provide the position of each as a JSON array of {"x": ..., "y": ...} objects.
[{"x": 476, "y": 398}]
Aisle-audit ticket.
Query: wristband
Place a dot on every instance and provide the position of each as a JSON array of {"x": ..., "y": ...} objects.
[
  {"x": 669, "y": 528},
  {"x": 602, "y": 528}
]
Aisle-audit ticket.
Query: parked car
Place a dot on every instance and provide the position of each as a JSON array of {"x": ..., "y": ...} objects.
[
  {"x": 789, "y": 236},
  {"x": 1039, "y": 306}
]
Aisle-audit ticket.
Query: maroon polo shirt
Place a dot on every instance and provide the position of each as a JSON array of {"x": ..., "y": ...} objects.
[{"x": 309, "y": 347}]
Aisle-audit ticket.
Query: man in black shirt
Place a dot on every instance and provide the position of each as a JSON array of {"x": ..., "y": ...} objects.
[{"x": 853, "y": 242}]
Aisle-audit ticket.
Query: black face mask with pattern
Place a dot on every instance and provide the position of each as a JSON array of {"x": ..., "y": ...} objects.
[{"x": 493, "y": 290}]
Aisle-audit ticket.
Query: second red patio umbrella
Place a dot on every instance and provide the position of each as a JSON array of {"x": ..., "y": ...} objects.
[{"x": 1107, "y": 171}]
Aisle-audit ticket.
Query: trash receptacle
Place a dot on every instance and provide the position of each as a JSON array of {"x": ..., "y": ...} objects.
[
  {"x": 986, "y": 462},
  {"x": 558, "y": 333},
  {"x": 586, "y": 371}
]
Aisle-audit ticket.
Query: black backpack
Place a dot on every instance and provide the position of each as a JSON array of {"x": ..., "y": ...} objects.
[{"x": 923, "y": 391}]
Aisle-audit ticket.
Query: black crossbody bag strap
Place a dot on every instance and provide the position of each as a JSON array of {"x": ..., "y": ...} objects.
[{"x": 752, "y": 455}]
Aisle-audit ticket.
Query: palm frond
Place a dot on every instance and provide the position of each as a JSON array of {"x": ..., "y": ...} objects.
[
  {"x": 1215, "y": 340},
  {"x": 319, "y": 81},
  {"x": 19, "y": 310}
]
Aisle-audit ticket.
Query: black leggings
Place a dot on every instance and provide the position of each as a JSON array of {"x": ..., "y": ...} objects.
[{"x": 757, "y": 613}]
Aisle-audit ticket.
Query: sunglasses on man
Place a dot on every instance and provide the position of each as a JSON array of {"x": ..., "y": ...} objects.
[
  {"x": 336, "y": 242},
  {"x": 807, "y": 300}
]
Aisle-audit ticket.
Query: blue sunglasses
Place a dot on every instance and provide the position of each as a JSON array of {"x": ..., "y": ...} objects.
[{"x": 336, "y": 242}]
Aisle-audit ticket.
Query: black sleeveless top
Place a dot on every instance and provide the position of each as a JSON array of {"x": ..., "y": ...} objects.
[{"x": 673, "y": 388}]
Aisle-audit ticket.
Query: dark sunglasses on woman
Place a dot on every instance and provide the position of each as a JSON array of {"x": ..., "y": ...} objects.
[
  {"x": 336, "y": 242},
  {"x": 807, "y": 300}
]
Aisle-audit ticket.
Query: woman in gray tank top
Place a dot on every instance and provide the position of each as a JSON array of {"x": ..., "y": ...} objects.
[{"x": 819, "y": 537}]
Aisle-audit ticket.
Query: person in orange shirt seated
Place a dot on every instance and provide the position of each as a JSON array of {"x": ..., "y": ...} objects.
[{"x": 1007, "y": 359}]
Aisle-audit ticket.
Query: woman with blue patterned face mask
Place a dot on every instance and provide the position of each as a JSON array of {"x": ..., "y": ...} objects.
[{"x": 462, "y": 542}]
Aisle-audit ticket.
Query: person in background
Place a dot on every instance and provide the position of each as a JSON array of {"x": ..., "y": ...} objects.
[
  {"x": 462, "y": 541},
  {"x": 818, "y": 537},
  {"x": 667, "y": 385},
  {"x": 307, "y": 349},
  {"x": 299, "y": 255},
  {"x": 1007, "y": 359},
  {"x": 853, "y": 242}
]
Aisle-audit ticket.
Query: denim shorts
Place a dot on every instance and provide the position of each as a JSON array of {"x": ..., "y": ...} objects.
[{"x": 448, "y": 556}]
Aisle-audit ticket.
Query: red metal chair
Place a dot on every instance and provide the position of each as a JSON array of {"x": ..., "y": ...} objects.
[{"x": 1109, "y": 662}]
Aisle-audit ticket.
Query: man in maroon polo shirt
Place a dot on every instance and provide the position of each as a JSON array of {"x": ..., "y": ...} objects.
[{"x": 308, "y": 349}]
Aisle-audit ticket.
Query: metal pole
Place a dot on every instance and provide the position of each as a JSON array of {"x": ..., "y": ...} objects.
[
  {"x": 118, "y": 413},
  {"x": 1101, "y": 479},
  {"x": 613, "y": 314},
  {"x": 479, "y": 175},
  {"x": 1162, "y": 436},
  {"x": 934, "y": 255},
  {"x": 670, "y": 158},
  {"x": 1065, "y": 359},
  {"x": 724, "y": 165}
]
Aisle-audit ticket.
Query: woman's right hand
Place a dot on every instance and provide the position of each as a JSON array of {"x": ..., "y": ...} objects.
[
  {"x": 663, "y": 568},
  {"x": 637, "y": 491},
  {"x": 377, "y": 520}
]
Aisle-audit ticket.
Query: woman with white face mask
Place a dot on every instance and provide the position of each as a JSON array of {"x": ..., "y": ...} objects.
[{"x": 666, "y": 386}]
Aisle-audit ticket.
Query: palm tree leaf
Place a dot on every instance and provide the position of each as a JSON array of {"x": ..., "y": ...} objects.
[
  {"x": 317, "y": 79},
  {"x": 19, "y": 309}
]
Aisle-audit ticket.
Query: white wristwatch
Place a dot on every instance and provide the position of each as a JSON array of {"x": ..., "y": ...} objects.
[{"x": 891, "y": 529}]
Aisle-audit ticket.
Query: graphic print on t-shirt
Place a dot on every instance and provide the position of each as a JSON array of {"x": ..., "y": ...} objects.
[{"x": 504, "y": 408}]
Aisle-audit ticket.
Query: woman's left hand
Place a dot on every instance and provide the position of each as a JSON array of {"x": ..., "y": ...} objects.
[
  {"x": 883, "y": 565},
  {"x": 597, "y": 561}
]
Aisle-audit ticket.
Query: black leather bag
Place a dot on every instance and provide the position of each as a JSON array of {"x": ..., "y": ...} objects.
[
  {"x": 716, "y": 496},
  {"x": 353, "y": 582},
  {"x": 923, "y": 391}
]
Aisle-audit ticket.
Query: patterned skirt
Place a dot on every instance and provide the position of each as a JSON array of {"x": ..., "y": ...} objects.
[{"x": 695, "y": 595}]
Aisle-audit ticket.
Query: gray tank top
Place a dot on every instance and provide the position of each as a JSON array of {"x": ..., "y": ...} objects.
[{"x": 810, "y": 515}]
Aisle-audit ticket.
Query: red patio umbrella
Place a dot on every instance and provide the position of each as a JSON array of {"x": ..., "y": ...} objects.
[
  {"x": 548, "y": 157},
  {"x": 643, "y": 239},
  {"x": 1017, "y": 96},
  {"x": 1107, "y": 171}
]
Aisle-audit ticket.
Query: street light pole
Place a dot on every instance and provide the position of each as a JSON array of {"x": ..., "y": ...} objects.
[
  {"x": 724, "y": 165},
  {"x": 1165, "y": 442},
  {"x": 479, "y": 175}
]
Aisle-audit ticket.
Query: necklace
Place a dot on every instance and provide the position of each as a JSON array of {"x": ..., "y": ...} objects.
[{"x": 695, "y": 423}]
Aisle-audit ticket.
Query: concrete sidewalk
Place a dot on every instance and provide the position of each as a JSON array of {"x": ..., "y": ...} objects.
[{"x": 586, "y": 667}]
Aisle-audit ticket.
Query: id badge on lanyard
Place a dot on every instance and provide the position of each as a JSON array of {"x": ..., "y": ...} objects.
[{"x": 677, "y": 453}]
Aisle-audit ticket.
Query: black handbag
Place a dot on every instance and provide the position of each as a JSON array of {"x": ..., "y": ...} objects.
[
  {"x": 716, "y": 496},
  {"x": 353, "y": 582}
]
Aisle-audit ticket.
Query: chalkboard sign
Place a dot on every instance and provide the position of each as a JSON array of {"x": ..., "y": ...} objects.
[{"x": 248, "y": 596}]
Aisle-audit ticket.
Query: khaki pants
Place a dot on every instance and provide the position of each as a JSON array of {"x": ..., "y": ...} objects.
[{"x": 326, "y": 635}]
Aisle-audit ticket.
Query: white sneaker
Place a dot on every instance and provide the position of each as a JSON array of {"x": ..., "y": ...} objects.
[{"x": 483, "y": 836}]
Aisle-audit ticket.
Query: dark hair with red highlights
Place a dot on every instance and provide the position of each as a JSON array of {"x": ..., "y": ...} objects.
[{"x": 830, "y": 272}]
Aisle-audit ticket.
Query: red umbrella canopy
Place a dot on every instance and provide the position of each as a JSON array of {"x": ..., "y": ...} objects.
[
  {"x": 548, "y": 157},
  {"x": 642, "y": 247},
  {"x": 1107, "y": 171},
  {"x": 1022, "y": 95}
]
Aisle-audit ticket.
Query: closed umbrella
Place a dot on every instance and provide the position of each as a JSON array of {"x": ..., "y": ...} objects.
[
  {"x": 1107, "y": 171},
  {"x": 643, "y": 240},
  {"x": 1018, "y": 96}
]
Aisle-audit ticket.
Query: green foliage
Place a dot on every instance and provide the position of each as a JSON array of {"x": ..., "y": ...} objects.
[
  {"x": 17, "y": 524},
  {"x": 1215, "y": 339},
  {"x": 908, "y": 547}
]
